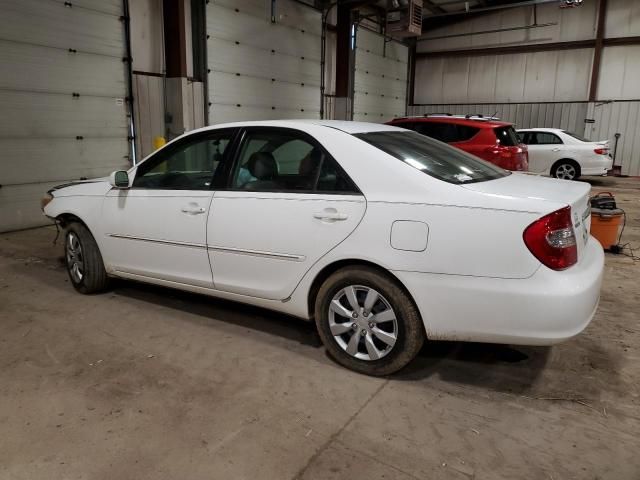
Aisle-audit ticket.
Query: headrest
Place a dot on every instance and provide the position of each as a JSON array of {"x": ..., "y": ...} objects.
[{"x": 262, "y": 165}]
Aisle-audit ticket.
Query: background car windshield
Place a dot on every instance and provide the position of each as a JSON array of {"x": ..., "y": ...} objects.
[
  {"x": 433, "y": 158},
  {"x": 576, "y": 136}
]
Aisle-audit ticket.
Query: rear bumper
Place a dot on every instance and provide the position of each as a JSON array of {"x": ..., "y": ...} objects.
[
  {"x": 546, "y": 308},
  {"x": 599, "y": 167}
]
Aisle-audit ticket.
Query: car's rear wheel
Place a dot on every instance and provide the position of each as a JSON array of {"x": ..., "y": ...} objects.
[
  {"x": 367, "y": 322},
  {"x": 83, "y": 260},
  {"x": 566, "y": 170}
]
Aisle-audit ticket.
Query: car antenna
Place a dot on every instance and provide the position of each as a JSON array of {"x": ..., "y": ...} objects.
[{"x": 494, "y": 115}]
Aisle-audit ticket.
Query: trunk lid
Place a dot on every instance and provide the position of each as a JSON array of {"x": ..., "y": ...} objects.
[{"x": 546, "y": 195}]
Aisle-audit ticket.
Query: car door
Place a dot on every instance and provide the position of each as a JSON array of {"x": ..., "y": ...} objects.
[
  {"x": 157, "y": 228},
  {"x": 544, "y": 149},
  {"x": 288, "y": 203}
]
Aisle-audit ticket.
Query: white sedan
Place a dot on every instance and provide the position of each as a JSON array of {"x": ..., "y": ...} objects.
[
  {"x": 380, "y": 235},
  {"x": 565, "y": 155}
]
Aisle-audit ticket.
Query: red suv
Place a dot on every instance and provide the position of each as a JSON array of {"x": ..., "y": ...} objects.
[{"x": 484, "y": 137}]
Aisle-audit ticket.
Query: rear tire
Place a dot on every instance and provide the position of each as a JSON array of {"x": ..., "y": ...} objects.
[
  {"x": 83, "y": 260},
  {"x": 566, "y": 170},
  {"x": 367, "y": 322}
]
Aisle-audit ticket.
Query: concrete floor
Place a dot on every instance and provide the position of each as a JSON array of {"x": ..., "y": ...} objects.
[{"x": 149, "y": 383}]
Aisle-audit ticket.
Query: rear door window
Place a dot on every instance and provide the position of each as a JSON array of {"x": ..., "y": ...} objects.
[
  {"x": 546, "y": 138},
  {"x": 507, "y": 136},
  {"x": 466, "y": 132}
]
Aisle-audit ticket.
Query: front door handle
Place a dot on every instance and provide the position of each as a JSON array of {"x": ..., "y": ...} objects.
[
  {"x": 193, "y": 209},
  {"x": 330, "y": 215}
]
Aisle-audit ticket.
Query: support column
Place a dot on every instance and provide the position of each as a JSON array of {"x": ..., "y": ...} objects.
[
  {"x": 343, "y": 101},
  {"x": 597, "y": 52}
]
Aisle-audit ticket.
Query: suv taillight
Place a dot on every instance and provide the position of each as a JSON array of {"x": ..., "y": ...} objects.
[{"x": 552, "y": 240}]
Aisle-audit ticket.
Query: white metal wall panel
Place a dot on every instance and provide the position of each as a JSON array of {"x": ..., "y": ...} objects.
[
  {"x": 380, "y": 78},
  {"x": 531, "y": 77},
  {"x": 618, "y": 117},
  {"x": 623, "y": 18},
  {"x": 620, "y": 73},
  {"x": 63, "y": 114},
  {"x": 260, "y": 69}
]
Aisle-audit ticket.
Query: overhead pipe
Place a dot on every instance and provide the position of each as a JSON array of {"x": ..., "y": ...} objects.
[
  {"x": 528, "y": 3},
  {"x": 497, "y": 30}
]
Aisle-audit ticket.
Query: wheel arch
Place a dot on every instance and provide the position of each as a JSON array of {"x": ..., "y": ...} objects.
[
  {"x": 66, "y": 218},
  {"x": 334, "y": 266}
]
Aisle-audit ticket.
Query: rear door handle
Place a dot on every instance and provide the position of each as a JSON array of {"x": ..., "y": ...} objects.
[
  {"x": 330, "y": 216},
  {"x": 193, "y": 209},
  {"x": 555, "y": 150}
]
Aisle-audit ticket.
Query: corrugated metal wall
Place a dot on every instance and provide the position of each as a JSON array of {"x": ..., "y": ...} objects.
[
  {"x": 618, "y": 117},
  {"x": 569, "y": 116},
  {"x": 610, "y": 118}
]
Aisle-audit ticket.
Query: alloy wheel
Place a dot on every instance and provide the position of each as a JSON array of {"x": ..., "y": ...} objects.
[
  {"x": 566, "y": 171},
  {"x": 75, "y": 258},
  {"x": 363, "y": 322}
]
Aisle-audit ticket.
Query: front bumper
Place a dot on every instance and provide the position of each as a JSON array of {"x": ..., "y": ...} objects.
[{"x": 546, "y": 308}]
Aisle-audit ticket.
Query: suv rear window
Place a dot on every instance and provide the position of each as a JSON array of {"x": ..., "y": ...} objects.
[
  {"x": 507, "y": 136},
  {"x": 433, "y": 158}
]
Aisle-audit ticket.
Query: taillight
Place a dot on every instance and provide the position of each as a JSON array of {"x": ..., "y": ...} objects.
[
  {"x": 509, "y": 157},
  {"x": 601, "y": 151},
  {"x": 552, "y": 240}
]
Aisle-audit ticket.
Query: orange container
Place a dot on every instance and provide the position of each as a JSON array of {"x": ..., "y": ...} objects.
[{"x": 605, "y": 225}]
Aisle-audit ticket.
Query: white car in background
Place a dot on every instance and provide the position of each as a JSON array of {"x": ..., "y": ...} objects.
[
  {"x": 565, "y": 155},
  {"x": 380, "y": 235}
]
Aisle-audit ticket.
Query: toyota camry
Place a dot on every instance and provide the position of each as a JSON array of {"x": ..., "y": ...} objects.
[{"x": 382, "y": 236}]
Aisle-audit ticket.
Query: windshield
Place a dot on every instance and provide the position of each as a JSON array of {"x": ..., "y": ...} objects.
[
  {"x": 432, "y": 157},
  {"x": 576, "y": 136}
]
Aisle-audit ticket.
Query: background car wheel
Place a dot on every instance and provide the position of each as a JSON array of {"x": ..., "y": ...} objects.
[
  {"x": 566, "y": 170},
  {"x": 83, "y": 260},
  {"x": 367, "y": 322}
]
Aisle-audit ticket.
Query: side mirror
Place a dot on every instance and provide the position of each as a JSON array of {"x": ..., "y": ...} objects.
[{"x": 119, "y": 179}]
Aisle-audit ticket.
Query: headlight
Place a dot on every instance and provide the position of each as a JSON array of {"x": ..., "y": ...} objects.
[{"x": 44, "y": 201}]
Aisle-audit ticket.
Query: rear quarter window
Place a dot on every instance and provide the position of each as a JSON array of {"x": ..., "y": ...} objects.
[
  {"x": 434, "y": 158},
  {"x": 507, "y": 136}
]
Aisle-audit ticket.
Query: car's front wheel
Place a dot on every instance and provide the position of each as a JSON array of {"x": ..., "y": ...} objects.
[
  {"x": 367, "y": 322},
  {"x": 566, "y": 170},
  {"x": 83, "y": 260}
]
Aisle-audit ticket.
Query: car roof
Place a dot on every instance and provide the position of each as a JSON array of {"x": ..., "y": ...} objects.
[
  {"x": 342, "y": 125},
  {"x": 477, "y": 122},
  {"x": 540, "y": 129}
]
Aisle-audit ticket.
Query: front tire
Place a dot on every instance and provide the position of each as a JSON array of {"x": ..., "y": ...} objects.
[
  {"x": 566, "y": 170},
  {"x": 367, "y": 322},
  {"x": 83, "y": 260}
]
